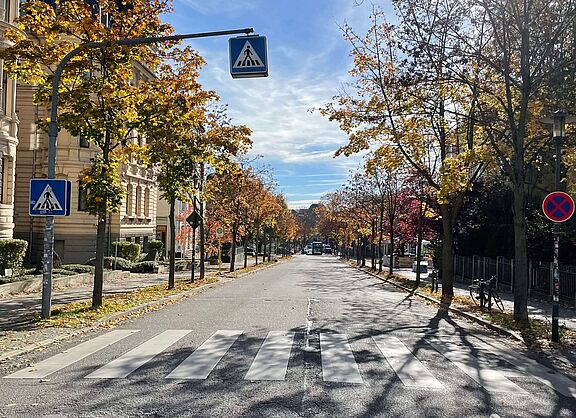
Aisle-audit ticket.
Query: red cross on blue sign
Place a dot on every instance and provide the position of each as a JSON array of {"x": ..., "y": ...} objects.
[{"x": 558, "y": 206}]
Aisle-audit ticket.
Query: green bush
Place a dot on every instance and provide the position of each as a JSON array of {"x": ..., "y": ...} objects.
[
  {"x": 143, "y": 267},
  {"x": 113, "y": 263},
  {"x": 78, "y": 268},
  {"x": 156, "y": 245},
  {"x": 63, "y": 272},
  {"x": 12, "y": 252},
  {"x": 126, "y": 249}
]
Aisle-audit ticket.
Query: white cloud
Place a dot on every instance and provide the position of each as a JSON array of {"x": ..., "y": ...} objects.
[
  {"x": 220, "y": 6},
  {"x": 301, "y": 204}
]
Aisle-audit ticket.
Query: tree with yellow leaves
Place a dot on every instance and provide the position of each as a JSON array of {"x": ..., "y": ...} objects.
[
  {"x": 98, "y": 96},
  {"x": 404, "y": 105}
]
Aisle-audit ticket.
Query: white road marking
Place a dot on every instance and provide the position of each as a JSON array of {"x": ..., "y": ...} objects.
[
  {"x": 406, "y": 366},
  {"x": 556, "y": 381},
  {"x": 272, "y": 359},
  {"x": 338, "y": 363},
  {"x": 68, "y": 357},
  {"x": 136, "y": 358},
  {"x": 202, "y": 361},
  {"x": 486, "y": 376}
]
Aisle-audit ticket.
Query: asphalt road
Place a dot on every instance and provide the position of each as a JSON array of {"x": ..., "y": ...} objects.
[{"x": 312, "y": 337}]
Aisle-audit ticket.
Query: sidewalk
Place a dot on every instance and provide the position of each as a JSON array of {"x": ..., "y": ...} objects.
[
  {"x": 536, "y": 308},
  {"x": 19, "y": 332}
]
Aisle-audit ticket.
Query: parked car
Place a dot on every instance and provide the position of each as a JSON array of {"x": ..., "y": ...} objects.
[
  {"x": 327, "y": 250},
  {"x": 308, "y": 250},
  {"x": 250, "y": 251}
]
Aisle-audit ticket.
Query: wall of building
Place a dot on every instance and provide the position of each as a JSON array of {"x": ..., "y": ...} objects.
[
  {"x": 8, "y": 128},
  {"x": 75, "y": 236}
]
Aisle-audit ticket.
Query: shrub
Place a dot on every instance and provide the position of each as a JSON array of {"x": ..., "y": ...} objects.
[
  {"x": 126, "y": 249},
  {"x": 156, "y": 245},
  {"x": 78, "y": 268},
  {"x": 143, "y": 267},
  {"x": 63, "y": 272},
  {"x": 12, "y": 252},
  {"x": 116, "y": 263}
]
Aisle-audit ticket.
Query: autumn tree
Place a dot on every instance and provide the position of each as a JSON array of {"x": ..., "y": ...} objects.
[
  {"x": 98, "y": 97},
  {"x": 523, "y": 55},
  {"x": 404, "y": 104}
]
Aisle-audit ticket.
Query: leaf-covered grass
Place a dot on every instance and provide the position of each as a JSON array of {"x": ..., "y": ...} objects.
[{"x": 80, "y": 314}]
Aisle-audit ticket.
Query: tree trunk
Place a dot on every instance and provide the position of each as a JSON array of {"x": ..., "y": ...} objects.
[
  {"x": 447, "y": 270},
  {"x": 100, "y": 247},
  {"x": 520, "y": 257},
  {"x": 363, "y": 252},
  {"x": 269, "y": 247},
  {"x": 233, "y": 249},
  {"x": 172, "y": 254},
  {"x": 246, "y": 251},
  {"x": 381, "y": 233},
  {"x": 202, "y": 237},
  {"x": 392, "y": 249}
]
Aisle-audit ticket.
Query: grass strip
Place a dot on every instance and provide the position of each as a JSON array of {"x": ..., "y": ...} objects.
[{"x": 80, "y": 314}]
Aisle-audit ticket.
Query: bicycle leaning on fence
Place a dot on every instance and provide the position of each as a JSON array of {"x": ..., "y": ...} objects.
[{"x": 483, "y": 293}]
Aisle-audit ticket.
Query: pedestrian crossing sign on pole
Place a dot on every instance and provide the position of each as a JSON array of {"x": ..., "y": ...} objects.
[
  {"x": 49, "y": 197},
  {"x": 248, "y": 57}
]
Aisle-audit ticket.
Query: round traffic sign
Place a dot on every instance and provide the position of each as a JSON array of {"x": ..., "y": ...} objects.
[
  {"x": 219, "y": 232},
  {"x": 558, "y": 206}
]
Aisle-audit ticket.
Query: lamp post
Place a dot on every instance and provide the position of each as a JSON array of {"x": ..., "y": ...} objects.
[
  {"x": 558, "y": 127},
  {"x": 53, "y": 137}
]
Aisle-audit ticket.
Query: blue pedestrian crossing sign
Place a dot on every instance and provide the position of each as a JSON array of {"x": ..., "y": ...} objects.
[
  {"x": 248, "y": 57},
  {"x": 49, "y": 197}
]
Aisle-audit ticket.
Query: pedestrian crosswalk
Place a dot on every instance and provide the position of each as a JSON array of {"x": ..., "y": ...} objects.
[{"x": 338, "y": 361}]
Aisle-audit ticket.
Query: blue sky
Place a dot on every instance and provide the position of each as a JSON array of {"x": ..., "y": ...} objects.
[{"x": 308, "y": 62}]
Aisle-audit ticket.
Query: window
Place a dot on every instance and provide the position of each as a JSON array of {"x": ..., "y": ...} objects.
[
  {"x": 138, "y": 200},
  {"x": 4, "y": 93},
  {"x": 84, "y": 143},
  {"x": 129, "y": 199},
  {"x": 2, "y": 171},
  {"x": 147, "y": 202},
  {"x": 81, "y": 198},
  {"x": 5, "y": 10}
]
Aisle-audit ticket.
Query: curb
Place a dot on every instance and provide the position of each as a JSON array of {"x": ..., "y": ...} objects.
[
  {"x": 474, "y": 318},
  {"x": 117, "y": 315}
]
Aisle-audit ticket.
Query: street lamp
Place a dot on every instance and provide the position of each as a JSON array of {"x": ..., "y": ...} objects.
[
  {"x": 53, "y": 137},
  {"x": 558, "y": 122}
]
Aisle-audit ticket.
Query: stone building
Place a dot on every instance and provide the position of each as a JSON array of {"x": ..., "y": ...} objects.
[
  {"x": 75, "y": 236},
  {"x": 8, "y": 127}
]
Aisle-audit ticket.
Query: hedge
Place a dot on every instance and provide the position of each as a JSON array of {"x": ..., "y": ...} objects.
[
  {"x": 156, "y": 245},
  {"x": 143, "y": 267},
  {"x": 126, "y": 249},
  {"x": 78, "y": 268},
  {"x": 12, "y": 253},
  {"x": 116, "y": 263}
]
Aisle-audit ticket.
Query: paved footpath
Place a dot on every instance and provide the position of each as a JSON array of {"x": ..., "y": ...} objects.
[{"x": 536, "y": 308}]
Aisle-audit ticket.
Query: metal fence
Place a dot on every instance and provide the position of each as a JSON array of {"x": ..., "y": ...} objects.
[{"x": 540, "y": 274}]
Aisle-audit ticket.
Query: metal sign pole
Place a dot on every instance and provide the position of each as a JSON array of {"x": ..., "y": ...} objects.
[{"x": 556, "y": 278}]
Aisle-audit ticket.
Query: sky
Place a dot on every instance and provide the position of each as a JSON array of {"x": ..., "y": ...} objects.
[{"x": 308, "y": 62}]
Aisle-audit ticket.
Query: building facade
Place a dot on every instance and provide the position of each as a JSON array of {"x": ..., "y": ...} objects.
[
  {"x": 75, "y": 236},
  {"x": 9, "y": 10}
]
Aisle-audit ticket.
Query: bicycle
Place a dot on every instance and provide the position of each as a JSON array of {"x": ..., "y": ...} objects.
[{"x": 483, "y": 293}]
